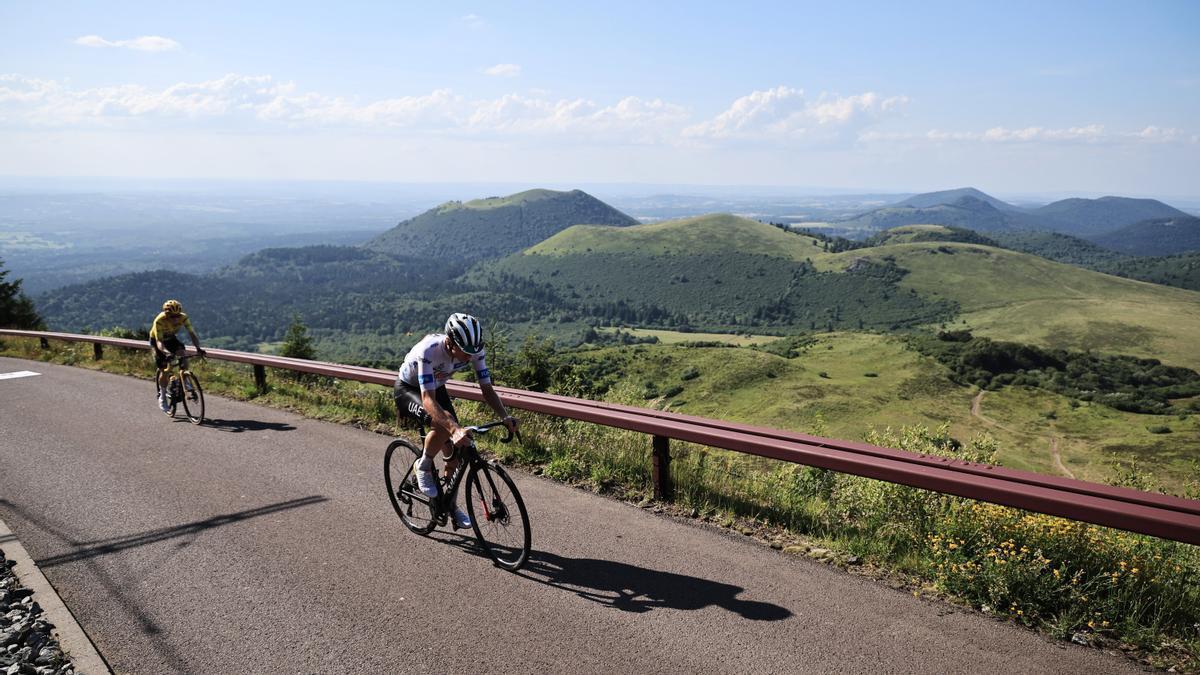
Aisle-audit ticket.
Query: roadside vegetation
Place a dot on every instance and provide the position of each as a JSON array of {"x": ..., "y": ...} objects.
[{"x": 1079, "y": 582}]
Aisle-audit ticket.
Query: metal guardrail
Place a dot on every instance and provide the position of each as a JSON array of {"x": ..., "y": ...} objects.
[{"x": 1162, "y": 516}]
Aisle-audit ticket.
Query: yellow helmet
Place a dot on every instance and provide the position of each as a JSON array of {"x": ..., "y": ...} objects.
[{"x": 172, "y": 307}]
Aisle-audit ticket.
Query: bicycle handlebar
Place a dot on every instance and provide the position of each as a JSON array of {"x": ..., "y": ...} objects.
[
  {"x": 171, "y": 358},
  {"x": 484, "y": 428}
]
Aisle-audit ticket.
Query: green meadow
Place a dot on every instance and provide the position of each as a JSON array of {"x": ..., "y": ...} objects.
[
  {"x": 844, "y": 384},
  {"x": 1024, "y": 298}
]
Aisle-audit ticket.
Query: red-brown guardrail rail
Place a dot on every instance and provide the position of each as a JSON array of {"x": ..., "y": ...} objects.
[{"x": 1162, "y": 516}]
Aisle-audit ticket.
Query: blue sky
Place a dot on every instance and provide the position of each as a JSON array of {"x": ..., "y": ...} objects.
[{"x": 1011, "y": 97}]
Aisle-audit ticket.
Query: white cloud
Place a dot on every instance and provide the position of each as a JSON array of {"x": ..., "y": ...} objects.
[
  {"x": 632, "y": 118},
  {"x": 244, "y": 102},
  {"x": 146, "y": 43},
  {"x": 503, "y": 70},
  {"x": 783, "y": 113},
  {"x": 1093, "y": 134}
]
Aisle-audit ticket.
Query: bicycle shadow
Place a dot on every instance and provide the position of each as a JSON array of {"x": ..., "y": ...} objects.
[
  {"x": 631, "y": 588},
  {"x": 239, "y": 426}
]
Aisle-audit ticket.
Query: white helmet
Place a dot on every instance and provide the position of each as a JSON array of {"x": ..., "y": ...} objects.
[{"x": 466, "y": 332}]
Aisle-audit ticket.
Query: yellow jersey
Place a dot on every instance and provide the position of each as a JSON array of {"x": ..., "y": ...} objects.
[{"x": 166, "y": 325}]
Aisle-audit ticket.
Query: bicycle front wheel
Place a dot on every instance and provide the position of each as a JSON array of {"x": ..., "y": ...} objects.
[
  {"x": 498, "y": 516},
  {"x": 193, "y": 398},
  {"x": 414, "y": 508}
]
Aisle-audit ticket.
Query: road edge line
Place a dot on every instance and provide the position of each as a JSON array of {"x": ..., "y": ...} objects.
[{"x": 72, "y": 639}]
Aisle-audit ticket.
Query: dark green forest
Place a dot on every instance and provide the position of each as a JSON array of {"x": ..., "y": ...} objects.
[{"x": 1121, "y": 382}]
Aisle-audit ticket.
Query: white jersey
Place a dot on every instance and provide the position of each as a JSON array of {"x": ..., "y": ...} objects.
[{"x": 428, "y": 364}]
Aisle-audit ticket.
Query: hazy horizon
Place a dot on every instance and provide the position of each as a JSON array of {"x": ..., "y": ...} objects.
[{"x": 407, "y": 190}]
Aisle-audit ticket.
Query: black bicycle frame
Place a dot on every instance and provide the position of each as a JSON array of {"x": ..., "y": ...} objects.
[{"x": 468, "y": 457}]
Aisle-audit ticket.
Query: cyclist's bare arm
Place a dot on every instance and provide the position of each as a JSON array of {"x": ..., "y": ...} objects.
[
  {"x": 195, "y": 341},
  {"x": 493, "y": 399},
  {"x": 442, "y": 419}
]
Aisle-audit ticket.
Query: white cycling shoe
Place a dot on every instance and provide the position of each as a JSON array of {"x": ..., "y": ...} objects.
[
  {"x": 426, "y": 480},
  {"x": 461, "y": 520}
]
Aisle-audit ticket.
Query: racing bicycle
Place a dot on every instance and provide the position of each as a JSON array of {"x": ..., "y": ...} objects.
[
  {"x": 183, "y": 388},
  {"x": 498, "y": 514}
]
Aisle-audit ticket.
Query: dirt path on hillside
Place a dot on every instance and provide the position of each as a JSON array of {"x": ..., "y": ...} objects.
[
  {"x": 977, "y": 405},
  {"x": 1058, "y": 463}
]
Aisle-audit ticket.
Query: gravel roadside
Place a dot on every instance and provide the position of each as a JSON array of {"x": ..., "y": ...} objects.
[{"x": 37, "y": 640}]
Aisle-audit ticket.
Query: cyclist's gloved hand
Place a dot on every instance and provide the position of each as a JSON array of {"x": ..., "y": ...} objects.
[
  {"x": 201, "y": 352},
  {"x": 512, "y": 423}
]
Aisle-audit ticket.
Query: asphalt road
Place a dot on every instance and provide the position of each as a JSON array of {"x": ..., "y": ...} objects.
[{"x": 264, "y": 542}]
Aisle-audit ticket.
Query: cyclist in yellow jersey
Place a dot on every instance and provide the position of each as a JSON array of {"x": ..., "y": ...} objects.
[{"x": 164, "y": 343}]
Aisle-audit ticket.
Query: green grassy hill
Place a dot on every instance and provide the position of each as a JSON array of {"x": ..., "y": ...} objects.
[
  {"x": 842, "y": 384},
  {"x": 495, "y": 226},
  {"x": 1015, "y": 296},
  {"x": 717, "y": 272},
  {"x": 908, "y": 234},
  {"x": 716, "y": 233}
]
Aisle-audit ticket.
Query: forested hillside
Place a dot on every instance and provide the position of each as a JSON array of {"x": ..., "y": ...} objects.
[
  {"x": 966, "y": 212},
  {"x": 1059, "y": 247},
  {"x": 494, "y": 227},
  {"x": 929, "y": 199},
  {"x": 1180, "y": 271},
  {"x": 1156, "y": 237},
  {"x": 1092, "y": 217}
]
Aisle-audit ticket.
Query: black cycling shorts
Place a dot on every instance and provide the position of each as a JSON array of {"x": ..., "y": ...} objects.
[
  {"x": 408, "y": 402},
  {"x": 172, "y": 344}
]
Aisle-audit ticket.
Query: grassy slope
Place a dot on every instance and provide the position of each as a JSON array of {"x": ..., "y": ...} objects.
[
  {"x": 756, "y": 387},
  {"x": 720, "y": 272},
  {"x": 670, "y": 337},
  {"x": 518, "y": 199},
  {"x": 905, "y": 234},
  {"x": 704, "y": 234},
  {"x": 1014, "y": 296}
]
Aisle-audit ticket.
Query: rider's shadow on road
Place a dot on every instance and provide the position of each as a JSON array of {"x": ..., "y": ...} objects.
[
  {"x": 638, "y": 589},
  {"x": 238, "y": 426}
]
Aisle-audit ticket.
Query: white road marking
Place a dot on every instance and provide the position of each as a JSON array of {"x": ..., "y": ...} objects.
[{"x": 19, "y": 373}]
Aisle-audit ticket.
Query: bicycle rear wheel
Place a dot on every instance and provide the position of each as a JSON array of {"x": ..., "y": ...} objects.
[
  {"x": 414, "y": 508},
  {"x": 498, "y": 516},
  {"x": 193, "y": 398}
]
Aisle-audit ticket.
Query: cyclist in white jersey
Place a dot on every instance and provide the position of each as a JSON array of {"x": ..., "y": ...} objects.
[{"x": 420, "y": 394}]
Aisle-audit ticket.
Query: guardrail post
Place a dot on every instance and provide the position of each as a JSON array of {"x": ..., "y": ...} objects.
[
  {"x": 45, "y": 344},
  {"x": 660, "y": 468},
  {"x": 260, "y": 378},
  {"x": 97, "y": 351}
]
